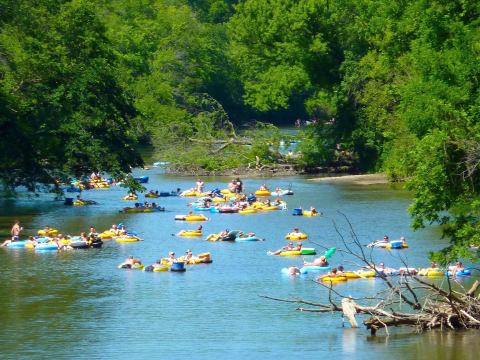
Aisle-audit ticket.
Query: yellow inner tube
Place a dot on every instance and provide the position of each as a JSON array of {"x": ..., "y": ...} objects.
[
  {"x": 247, "y": 211},
  {"x": 149, "y": 195},
  {"x": 291, "y": 253},
  {"x": 195, "y": 218},
  {"x": 300, "y": 236},
  {"x": 127, "y": 239},
  {"x": 130, "y": 198},
  {"x": 352, "y": 275},
  {"x": 79, "y": 203},
  {"x": 51, "y": 232},
  {"x": 267, "y": 208},
  {"x": 309, "y": 213},
  {"x": 263, "y": 193},
  {"x": 187, "y": 233},
  {"x": 106, "y": 235},
  {"x": 219, "y": 200},
  {"x": 367, "y": 274},
  {"x": 160, "y": 269},
  {"x": 334, "y": 278},
  {"x": 213, "y": 237}
]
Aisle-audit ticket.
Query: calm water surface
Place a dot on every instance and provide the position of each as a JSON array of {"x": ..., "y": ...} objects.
[{"x": 79, "y": 305}]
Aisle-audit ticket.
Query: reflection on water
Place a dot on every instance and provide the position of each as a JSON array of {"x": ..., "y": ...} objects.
[{"x": 79, "y": 305}]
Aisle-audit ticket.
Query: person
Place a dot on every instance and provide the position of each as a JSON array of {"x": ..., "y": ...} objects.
[
  {"x": 239, "y": 188},
  {"x": 115, "y": 230},
  {"x": 251, "y": 198},
  {"x": 333, "y": 273},
  {"x": 188, "y": 256},
  {"x": 288, "y": 247},
  {"x": 433, "y": 265},
  {"x": 340, "y": 271},
  {"x": 199, "y": 227},
  {"x": 157, "y": 264},
  {"x": 313, "y": 210},
  {"x": 199, "y": 186},
  {"x": 32, "y": 241},
  {"x": 232, "y": 186},
  {"x": 298, "y": 123},
  {"x": 293, "y": 271},
  {"x": 457, "y": 267},
  {"x": 402, "y": 239},
  {"x": 130, "y": 261},
  {"x": 321, "y": 261},
  {"x": 263, "y": 187},
  {"x": 84, "y": 237},
  {"x": 16, "y": 230},
  {"x": 171, "y": 257},
  {"x": 297, "y": 247},
  {"x": 92, "y": 231}
]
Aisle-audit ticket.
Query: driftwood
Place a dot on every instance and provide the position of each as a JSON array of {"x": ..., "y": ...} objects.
[{"x": 433, "y": 307}]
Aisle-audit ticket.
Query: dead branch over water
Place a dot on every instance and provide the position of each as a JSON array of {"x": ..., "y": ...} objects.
[{"x": 431, "y": 306}]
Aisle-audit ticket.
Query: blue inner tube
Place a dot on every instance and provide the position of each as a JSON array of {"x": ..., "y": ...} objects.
[
  {"x": 177, "y": 266},
  {"x": 46, "y": 247},
  {"x": 465, "y": 272},
  {"x": 297, "y": 212},
  {"x": 307, "y": 269},
  {"x": 214, "y": 210},
  {"x": 202, "y": 208},
  {"x": 17, "y": 244},
  {"x": 248, "y": 238}
]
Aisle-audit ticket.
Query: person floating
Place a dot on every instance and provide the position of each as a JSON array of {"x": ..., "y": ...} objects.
[{"x": 321, "y": 261}]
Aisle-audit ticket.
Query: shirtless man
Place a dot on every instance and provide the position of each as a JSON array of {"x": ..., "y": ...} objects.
[{"x": 16, "y": 229}]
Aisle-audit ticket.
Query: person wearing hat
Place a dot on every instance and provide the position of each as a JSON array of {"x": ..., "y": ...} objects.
[{"x": 171, "y": 257}]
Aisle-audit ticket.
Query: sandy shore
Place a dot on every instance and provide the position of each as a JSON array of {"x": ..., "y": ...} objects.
[{"x": 368, "y": 179}]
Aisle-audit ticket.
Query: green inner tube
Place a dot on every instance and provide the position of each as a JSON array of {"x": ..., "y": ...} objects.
[{"x": 308, "y": 251}]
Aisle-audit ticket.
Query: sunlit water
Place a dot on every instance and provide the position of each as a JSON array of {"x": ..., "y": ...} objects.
[{"x": 79, "y": 305}]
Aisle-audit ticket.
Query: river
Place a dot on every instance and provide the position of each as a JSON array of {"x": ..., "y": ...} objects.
[{"x": 77, "y": 304}]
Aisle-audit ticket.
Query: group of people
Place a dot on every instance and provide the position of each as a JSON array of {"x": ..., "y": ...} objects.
[{"x": 132, "y": 262}]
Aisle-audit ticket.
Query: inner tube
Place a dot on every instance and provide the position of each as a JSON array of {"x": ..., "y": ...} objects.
[
  {"x": 195, "y": 218},
  {"x": 263, "y": 193},
  {"x": 46, "y": 247},
  {"x": 178, "y": 267},
  {"x": 79, "y": 244},
  {"x": 334, "y": 279},
  {"x": 17, "y": 244},
  {"x": 150, "y": 195},
  {"x": 127, "y": 239},
  {"x": 190, "y": 233},
  {"x": 464, "y": 272},
  {"x": 130, "y": 198},
  {"x": 291, "y": 253},
  {"x": 160, "y": 269},
  {"x": 51, "y": 232},
  {"x": 294, "y": 236},
  {"x": 248, "y": 238},
  {"x": 309, "y": 213},
  {"x": 247, "y": 211},
  {"x": 307, "y": 269},
  {"x": 351, "y": 275}
]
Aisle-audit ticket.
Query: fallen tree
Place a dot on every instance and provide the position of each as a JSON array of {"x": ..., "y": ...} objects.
[{"x": 431, "y": 306}]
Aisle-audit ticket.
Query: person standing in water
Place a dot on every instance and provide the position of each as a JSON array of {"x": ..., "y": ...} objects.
[{"x": 16, "y": 230}]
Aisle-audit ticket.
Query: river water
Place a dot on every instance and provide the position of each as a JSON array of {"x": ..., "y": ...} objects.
[{"x": 79, "y": 305}]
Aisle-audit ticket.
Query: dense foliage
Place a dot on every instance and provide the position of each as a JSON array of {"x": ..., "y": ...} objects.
[{"x": 393, "y": 84}]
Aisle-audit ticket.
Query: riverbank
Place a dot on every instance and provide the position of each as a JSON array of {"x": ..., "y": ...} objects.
[{"x": 366, "y": 179}]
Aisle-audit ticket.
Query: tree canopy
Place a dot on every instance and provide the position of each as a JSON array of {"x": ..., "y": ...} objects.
[{"x": 395, "y": 84}]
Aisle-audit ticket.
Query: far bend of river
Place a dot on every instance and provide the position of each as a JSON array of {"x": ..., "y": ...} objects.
[{"x": 78, "y": 305}]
